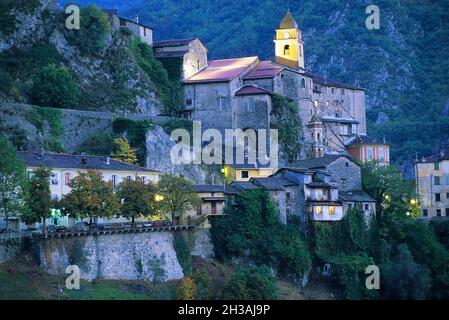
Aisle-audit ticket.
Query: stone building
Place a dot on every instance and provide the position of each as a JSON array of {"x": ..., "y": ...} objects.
[
  {"x": 237, "y": 93},
  {"x": 212, "y": 204},
  {"x": 144, "y": 32},
  {"x": 432, "y": 184}
]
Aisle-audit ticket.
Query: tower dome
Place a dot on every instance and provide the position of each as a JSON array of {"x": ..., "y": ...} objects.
[{"x": 288, "y": 22}]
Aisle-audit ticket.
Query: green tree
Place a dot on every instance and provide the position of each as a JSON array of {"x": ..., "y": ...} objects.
[
  {"x": 187, "y": 290},
  {"x": 178, "y": 196},
  {"x": 94, "y": 28},
  {"x": 403, "y": 278},
  {"x": 100, "y": 144},
  {"x": 255, "y": 283},
  {"x": 91, "y": 197},
  {"x": 287, "y": 122},
  {"x": 138, "y": 199},
  {"x": 39, "y": 200},
  {"x": 251, "y": 229},
  {"x": 13, "y": 182},
  {"x": 54, "y": 87},
  {"x": 124, "y": 152}
]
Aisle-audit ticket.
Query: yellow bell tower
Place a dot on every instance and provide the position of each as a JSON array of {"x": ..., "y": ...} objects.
[{"x": 289, "y": 48}]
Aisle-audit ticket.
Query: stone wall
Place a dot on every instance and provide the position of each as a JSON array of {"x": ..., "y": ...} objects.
[
  {"x": 119, "y": 256},
  {"x": 9, "y": 248}
]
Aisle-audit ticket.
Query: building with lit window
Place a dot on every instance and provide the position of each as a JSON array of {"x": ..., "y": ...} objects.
[{"x": 432, "y": 184}]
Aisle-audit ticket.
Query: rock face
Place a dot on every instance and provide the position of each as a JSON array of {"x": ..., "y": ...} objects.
[
  {"x": 9, "y": 249},
  {"x": 135, "y": 256},
  {"x": 159, "y": 147},
  {"x": 124, "y": 256}
]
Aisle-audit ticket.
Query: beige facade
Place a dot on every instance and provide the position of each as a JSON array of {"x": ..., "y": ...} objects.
[{"x": 432, "y": 184}]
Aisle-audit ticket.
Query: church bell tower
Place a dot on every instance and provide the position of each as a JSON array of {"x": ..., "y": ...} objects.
[{"x": 289, "y": 47}]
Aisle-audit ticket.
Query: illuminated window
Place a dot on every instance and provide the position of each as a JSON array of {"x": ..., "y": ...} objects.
[
  {"x": 331, "y": 210},
  {"x": 315, "y": 103},
  {"x": 318, "y": 209},
  {"x": 286, "y": 50}
]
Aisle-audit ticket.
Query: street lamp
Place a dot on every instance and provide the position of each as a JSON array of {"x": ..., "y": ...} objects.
[{"x": 158, "y": 197}]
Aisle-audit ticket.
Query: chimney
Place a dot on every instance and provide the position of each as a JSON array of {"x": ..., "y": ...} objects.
[
  {"x": 136, "y": 19},
  {"x": 108, "y": 160},
  {"x": 42, "y": 153}
]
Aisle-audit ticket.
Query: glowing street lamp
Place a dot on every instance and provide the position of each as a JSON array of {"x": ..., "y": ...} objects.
[
  {"x": 158, "y": 197},
  {"x": 413, "y": 201}
]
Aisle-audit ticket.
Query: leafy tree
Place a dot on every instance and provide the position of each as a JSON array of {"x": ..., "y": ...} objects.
[
  {"x": 203, "y": 283},
  {"x": 402, "y": 278},
  {"x": 256, "y": 283},
  {"x": 187, "y": 290},
  {"x": 39, "y": 200},
  {"x": 287, "y": 122},
  {"x": 124, "y": 152},
  {"x": 55, "y": 87},
  {"x": 13, "y": 182},
  {"x": 94, "y": 28},
  {"x": 138, "y": 199},
  {"x": 393, "y": 194},
  {"x": 250, "y": 229},
  {"x": 178, "y": 196},
  {"x": 91, "y": 197}
]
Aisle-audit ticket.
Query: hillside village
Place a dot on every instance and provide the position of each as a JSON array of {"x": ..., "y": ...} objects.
[{"x": 324, "y": 150}]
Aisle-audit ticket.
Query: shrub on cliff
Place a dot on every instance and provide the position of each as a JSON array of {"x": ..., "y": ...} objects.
[
  {"x": 55, "y": 87},
  {"x": 94, "y": 28},
  {"x": 251, "y": 284},
  {"x": 250, "y": 229}
]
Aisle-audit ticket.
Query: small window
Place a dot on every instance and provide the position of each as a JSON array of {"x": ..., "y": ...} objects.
[
  {"x": 425, "y": 212},
  {"x": 222, "y": 101},
  {"x": 303, "y": 83},
  {"x": 67, "y": 178},
  {"x": 315, "y": 103},
  {"x": 366, "y": 206},
  {"x": 188, "y": 101},
  {"x": 349, "y": 205},
  {"x": 438, "y": 212},
  {"x": 436, "y": 180},
  {"x": 447, "y": 212},
  {"x": 381, "y": 153},
  {"x": 199, "y": 210},
  {"x": 287, "y": 196},
  {"x": 245, "y": 174},
  {"x": 286, "y": 50},
  {"x": 143, "y": 179},
  {"x": 447, "y": 180},
  {"x": 447, "y": 195},
  {"x": 250, "y": 106},
  {"x": 342, "y": 91},
  {"x": 354, "y": 129},
  {"x": 122, "y": 22},
  {"x": 436, "y": 165},
  {"x": 128, "y": 177},
  {"x": 114, "y": 180},
  {"x": 333, "y": 90},
  {"x": 369, "y": 153},
  {"x": 437, "y": 197}
]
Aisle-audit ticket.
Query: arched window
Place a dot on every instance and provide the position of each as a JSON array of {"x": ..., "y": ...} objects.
[
  {"x": 303, "y": 83},
  {"x": 286, "y": 50},
  {"x": 318, "y": 137}
]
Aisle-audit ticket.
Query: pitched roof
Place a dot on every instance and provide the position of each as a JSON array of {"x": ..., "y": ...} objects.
[
  {"x": 265, "y": 69},
  {"x": 319, "y": 184},
  {"x": 288, "y": 22},
  {"x": 240, "y": 186},
  {"x": 170, "y": 54},
  {"x": 208, "y": 188},
  {"x": 331, "y": 83},
  {"x": 442, "y": 155},
  {"x": 272, "y": 183},
  {"x": 223, "y": 70},
  {"x": 248, "y": 89},
  {"x": 172, "y": 42},
  {"x": 339, "y": 120},
  {"x": 70, "y": 161},
  {"x": 362, "y": 139},
  {"x": 318, "y": 162},
  {"x": 356, "y": 196}
]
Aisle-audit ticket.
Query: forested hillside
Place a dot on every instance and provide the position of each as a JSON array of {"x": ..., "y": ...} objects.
[{"x": 404, "y": 66}]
